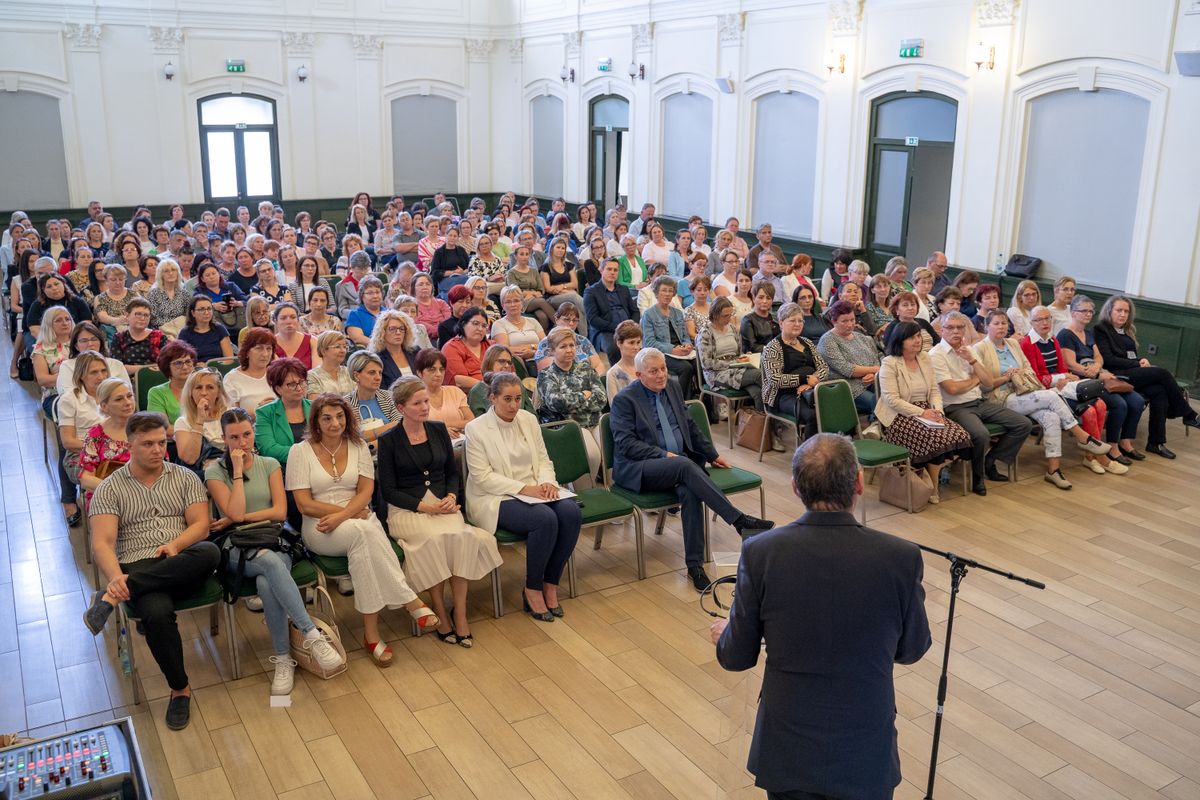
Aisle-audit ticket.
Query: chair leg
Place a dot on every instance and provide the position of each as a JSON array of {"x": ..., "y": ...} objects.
[
  {"x": 762, "y": 439},
  {"x": 707, "y": 546},
  {"x": 662, "y": 520},
  {"x": 46, "y": 441},
  {"x": 599, "y": 537},
  {"x": 214, "y": 624},
  {"x": 87, "y": 538},
  {"x": 966, "y": 470},
  {"x": 123, "y": 625},
  {"x": 497, "y": 594},
  {"x": 230, "y": 632},
  {"x": 762, "y": 502},
  {"x": 731, "y": 409},
  {"x": 571, "y": 579},
  {"x": 908, "y": 483},
  {"x": 638, "y": 533}
]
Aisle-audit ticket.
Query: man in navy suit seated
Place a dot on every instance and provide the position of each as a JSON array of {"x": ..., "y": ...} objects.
[
  {"x": 658, "y": 448},
  {"x": 837, "y": 604}
]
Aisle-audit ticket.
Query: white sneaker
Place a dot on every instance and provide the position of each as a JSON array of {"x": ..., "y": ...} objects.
[
  {"x": 1095, "y": 446},
  {"x": 345, "y": 586},
  {"x": 1058, "y": 479},
  {"x": 723, "y": 411},
  {"x": 285, "y": 673},
  {"x": 1116, "y": 467},
  {"x": 254, "y": 604},
  {"x": 327, "y": 657},
  {"x": 1094, "y": 466}
]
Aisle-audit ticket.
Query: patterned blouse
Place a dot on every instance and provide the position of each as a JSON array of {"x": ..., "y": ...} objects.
[
  {"x": 485, "y": 269},
  {"x": 330, "y": 323},
  {"x": 99, "y": 447},
  {"x": 112, "y": 306},
  {"x": 278, "y": 296},
  {"x": 130, "y": 352},
  {"x": 561, "y": 393},
  {"x": 163, "y": 309},
  {"x": 698, "y": 318},
  {"x": 80, "y": 281}
]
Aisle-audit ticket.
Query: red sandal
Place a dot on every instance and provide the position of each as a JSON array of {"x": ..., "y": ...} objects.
[{"x": 380, "y": 653}]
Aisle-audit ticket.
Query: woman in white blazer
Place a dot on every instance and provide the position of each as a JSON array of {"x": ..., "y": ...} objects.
[{"x": 507, "y": 459}]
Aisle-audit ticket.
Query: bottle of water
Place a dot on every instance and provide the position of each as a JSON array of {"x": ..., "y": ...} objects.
[
  {"x": 123, "y": 646},
  {"x": 1000, "y": 262}
]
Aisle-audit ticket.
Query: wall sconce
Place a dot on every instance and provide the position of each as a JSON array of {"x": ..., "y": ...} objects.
[
  {"x": 984, "y": 56},
  {"x": 168, "y": 70},
  {"x": 567, "y": 74},
  {"x": 637, "y": 71},
  {"x": 302, "y": 73},
  {"x": 835, "y": 61}
]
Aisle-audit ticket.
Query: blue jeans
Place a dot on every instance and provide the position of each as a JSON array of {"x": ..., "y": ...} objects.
[
  {"x": 281, "y": 599},
  {"x": 865, "y": 402},
  {"x": 552, "y": 530}
]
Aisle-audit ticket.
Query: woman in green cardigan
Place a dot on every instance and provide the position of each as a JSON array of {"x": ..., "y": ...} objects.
[
  {"x": 281, "y": 423},
  {"x": 632, "y": 272}
]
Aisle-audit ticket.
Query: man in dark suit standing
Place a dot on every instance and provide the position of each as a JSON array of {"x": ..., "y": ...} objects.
[
  {"x": 837, "y": 604},
  {"x": 658, "y": 448}
]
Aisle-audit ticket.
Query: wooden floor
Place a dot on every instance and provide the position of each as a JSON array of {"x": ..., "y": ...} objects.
[{"x": 1089, "y": 689}]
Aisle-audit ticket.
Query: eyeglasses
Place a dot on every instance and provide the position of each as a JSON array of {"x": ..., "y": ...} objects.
[
  {"x": 182, "y": 362},
  {"x": 82, "y": 340},
  {"x": 395, "y": 329},
  {"x": 293, "y": 385},
  {"x": 1088, "y": 311}
]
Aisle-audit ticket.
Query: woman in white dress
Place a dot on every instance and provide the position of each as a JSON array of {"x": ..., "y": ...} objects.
[
  {"x": 332, "y": 478},
  {"x": 420, "y": 482}
]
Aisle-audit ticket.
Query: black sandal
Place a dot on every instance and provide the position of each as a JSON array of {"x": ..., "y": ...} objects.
[
  {"x": 450, "y": 637},
  {"x": 73, "y": 520},
  {"x": 466, "y": 641}
]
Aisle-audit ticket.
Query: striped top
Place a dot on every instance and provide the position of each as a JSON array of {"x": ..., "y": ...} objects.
[{"x": 147, "y": 516}]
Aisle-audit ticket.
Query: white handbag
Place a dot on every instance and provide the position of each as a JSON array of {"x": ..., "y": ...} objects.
[{"x": 327, "y": 624}]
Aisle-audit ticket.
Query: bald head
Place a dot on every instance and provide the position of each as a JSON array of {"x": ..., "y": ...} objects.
[{"x": 825, "y": 473}]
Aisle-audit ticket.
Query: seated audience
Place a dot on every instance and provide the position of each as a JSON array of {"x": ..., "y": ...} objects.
[
  {"x": 967, "y": 283},
  {"x": 498, "y": 358},
  {"x": 150, "y": 560},
  {"x": 851, "y": 355},
  {"x": 408, "y": 304},
  {"x": 77, "y": 412},
  {"x": 525, "y": 276},
  {"x": 52, "y": 348},
  {"x": 105, "y": 447},
  {"x": 657, "y": 447},
  {"x": 759, "y": 326},
  {"x": 448, "y": 267},
  {"x": 905, "y": 307},
  {"x": 268, "y": 286},
  {"x": 1001, "y": 358},
  {"x": 198, "y": 437},
  {"x": 246, "y": 485},
  {"x": 1026, "y": 297},
  {"x": 208, "y": 338},
  {"x": 447, "y": 402},
  {"x": 960, "y": 377},
  {"x": 371, "y": 406},
  {"x": 52, "y": 291},
  {"x": 622, "y": 372},
  {"x": 567, "y": 316},
  {"x": 1060, "y": 308},
  {"x": 560, "y": 281},
  {"x": 879, "y": 296},
  {"x": 419, "y": 481},
  {"x": 791, "y": 365},
  {"x": 318, "y": 320},
  {"x": 331, "y": 475},
  {"x": 908, "y": 388},
  {"x": 570, "y": 389},
  {"x": 743, "y": 302},
  {"x": 331, "y": 375},
  {"x": 987, "y": 298},
  {"x": 663, "y": 329},
  {"x": 138, "y": 345},
  {"x": 724, "y": 280},
  {"x": 519, "y": 333},
  {"x": 307, "y": 281},
  {"x": 479, "y": 297},
  {"x": 607, "y": 304},
  {"x": 464, "y": 353},
  {"x": 1116, "y": 342},
  {"x": 282, "y": 422},
  {"x": 724, "y": 363},
  {"x": 632, "y": 270},
  {"x": 923, "y": 279},
  {"x": 852, "y": 292},
  {"x": 348, "y": 295},
  {"x": 290, "y": 341},
  {"x": 110, "y": 305},
  {"x": 247, "y": 385},
  {"x": 176, "y": 360},
  {"x": 797, "y": 273},
  {"x": 431, "y": 310},
  {"x": 459, "y": 298},
  {"x": 815, "y": 324},
  {"x": 360, "y": 323},
  {"x": 225, "y": 297},
  {"x": 392, "y": 341},
  {"x": 696, "y": 313},
  {"x": 258, "y": 315},
  {"x": 506, "y": 457},
  {"x": 836, "y": 274}
]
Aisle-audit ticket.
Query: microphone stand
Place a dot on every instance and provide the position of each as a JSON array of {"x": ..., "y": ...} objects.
[{"x": 958, "y": 570}]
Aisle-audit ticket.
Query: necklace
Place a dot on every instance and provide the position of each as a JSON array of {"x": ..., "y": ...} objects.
[{"x": 337, "y": 476}]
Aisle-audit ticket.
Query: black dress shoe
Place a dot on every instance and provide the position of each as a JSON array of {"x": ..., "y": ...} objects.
[
  {"x": 699, "y": 578},
  {"x": 179, "y": 712},
  {"x": 556, "y": 611},
  {"x": 543, "y": 616},
  {"x": 1160, "y": 450},
  {"x": 979, "y": 488},
  {"x": 73, "y": 520},
  {"x": 1192, "y": 421},
  {"x": 747, "y": 525},
  {"x": 994, "y": 474},
  {"x": 1132, "y": 454},
  {"x": 1122, "y": 459}
]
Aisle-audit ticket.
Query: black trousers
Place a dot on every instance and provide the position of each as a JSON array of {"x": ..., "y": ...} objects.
[
  {"x": 1163, "y": 396},
  {"x": 695, "y": 490},
  {"x": 796, "y": 406},
  {"x": 798, "y": 795},
  {"x": 154, "y": 586},
  {"x": 684, "y": 369}
]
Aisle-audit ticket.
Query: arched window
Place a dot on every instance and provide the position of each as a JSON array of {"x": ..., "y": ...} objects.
[
  {"x": 687, "y": 155},
  {"x": 424, "y": 144},
  {"x": 546, "y": 137},
  {"x": 785, "y": 159},
  {"x": 1079, "y": 197},
  {"x": 239, "y": 149},
  {"x": 35, "y": 168}
]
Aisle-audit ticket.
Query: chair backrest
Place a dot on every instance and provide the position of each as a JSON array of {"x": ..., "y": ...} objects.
[
  {"x": 564, "y": 443},
  {"x": 607, "y": 447},
  {"x": 223, "y": 365},
  {"x": 332, "y": 282},
  {"x": 520, "y": 369},
  {"x": 146, "y": 379},
  {"x": 383, "y": 277},
  {"x": 699, "y": 415},
  {"x": 835, "y": 408}
]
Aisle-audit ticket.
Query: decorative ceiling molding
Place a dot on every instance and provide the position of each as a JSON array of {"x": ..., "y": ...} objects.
[
  {"x": 367, "y": 46},
  {"x": 992, "y": 13},
  {"x": 298, "y": 43},
  {"x": 480, "y": 49},
  {"x": 166, "y": 40},
  {"x": 730, "y": 27},
  {"x": 572, "y": 41},
  {"x": 845, "y": 16},
  {"x": 643, "y": 36},
  {"x": 82, "y": 35},
  {"x": 516, "y": 49}
]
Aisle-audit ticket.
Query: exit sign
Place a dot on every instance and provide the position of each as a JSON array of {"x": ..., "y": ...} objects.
[
  {"x": 912, "y": 48},
  {"x": 235, "y": 65}
]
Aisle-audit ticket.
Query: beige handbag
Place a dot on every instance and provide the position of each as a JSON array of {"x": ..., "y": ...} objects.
[
  {"x": 326, "y": 623},
  {"x": 893, "y": 487},
  {"x": 1025, "y": 381},
  {"x": 750, "y": 424}
]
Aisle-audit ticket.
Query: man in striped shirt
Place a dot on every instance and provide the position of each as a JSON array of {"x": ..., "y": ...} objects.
[{"x": 149, "y": 530}]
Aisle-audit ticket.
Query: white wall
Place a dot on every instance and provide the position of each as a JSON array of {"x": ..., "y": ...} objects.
[{"x": 130, "y": 136}]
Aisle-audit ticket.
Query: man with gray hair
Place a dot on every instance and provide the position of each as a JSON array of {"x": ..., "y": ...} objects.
[
  {"x": 347, "y": 289},
  {"x": 838, "y": 604},
  {"x": 960, "y": 375},
  {"x": 658, "y": 448}
]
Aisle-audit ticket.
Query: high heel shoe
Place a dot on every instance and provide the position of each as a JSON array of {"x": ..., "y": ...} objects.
[
  {"x": 541, "y": 616},
  {"x": 449, "y": 637}
]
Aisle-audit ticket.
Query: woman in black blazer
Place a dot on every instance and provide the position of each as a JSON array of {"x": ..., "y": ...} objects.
[{"x": 420, "y": 482}]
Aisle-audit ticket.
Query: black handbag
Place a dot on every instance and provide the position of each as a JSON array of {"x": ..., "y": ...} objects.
[
  {"x": 250, "y": 539},
  {"x": 1021, "y": 266},
  {"x": 25, "y": 369},
  {"x": 1088, "y": 389}
]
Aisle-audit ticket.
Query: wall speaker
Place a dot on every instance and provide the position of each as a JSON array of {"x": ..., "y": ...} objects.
[
  {"x": 726, "y": 85},
  {"x": 1188, "y": 62}
]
